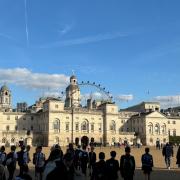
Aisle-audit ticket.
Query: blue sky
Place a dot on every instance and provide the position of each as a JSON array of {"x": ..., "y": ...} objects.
[{"x": 130, "y": 47}]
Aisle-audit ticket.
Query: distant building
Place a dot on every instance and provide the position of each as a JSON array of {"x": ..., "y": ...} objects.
[
  {"x": 22, "y": 107},
  {"x": 50, "y": 121}
]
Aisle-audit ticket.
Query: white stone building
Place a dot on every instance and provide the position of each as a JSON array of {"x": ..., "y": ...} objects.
[{"x": 51, "y": 120}]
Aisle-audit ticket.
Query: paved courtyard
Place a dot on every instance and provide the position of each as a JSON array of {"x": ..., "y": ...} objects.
[{"x": 159, "y": 171}]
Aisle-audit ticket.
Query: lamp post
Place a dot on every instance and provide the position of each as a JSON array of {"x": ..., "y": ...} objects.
[{"x": 72, "y": 125}]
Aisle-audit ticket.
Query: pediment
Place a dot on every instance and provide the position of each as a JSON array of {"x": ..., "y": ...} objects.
[{"x": 156, "y": 114}]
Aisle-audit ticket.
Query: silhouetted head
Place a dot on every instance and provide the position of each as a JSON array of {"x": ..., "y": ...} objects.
[
  {"x": 101, "y": 156},
  {"x": 147, "y": 150},
  {"x": 2, "y": 148},
  {"x": 13, "y": 148},
  {"x": 57, "y": 146},
  {"x": 70, "y": 146},
  {"x": 127, "y": 149},
  {"x": 113, "y": 154}
]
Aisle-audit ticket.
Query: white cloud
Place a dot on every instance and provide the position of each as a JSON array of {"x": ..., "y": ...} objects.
[
  {"x": 85, "y": 40},
  {"x": 168, "y": 101},
  {"x": 52, "y": 94},
  {"x": 25, "y": 77},
  {"x": 125, "y": 97}
]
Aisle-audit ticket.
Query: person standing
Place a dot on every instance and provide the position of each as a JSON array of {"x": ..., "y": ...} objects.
[
  {"x": 22, "y": 160},
  {"x": 11, "y": 162},
  {"x": 64, "y": 169},
  {"x": 84, "y": 160},
  {"x": 77, "y": 157},
  {"x": 99, "y": 168},
  {"x": 178, "y": 157},
  {"x": 127, "y": 165},
  {"x": 2, "y": 156},
  {"x": 112, "y": 167},
  {"x": 147, "y": 163},
  {"x": 92, "y": 159},
  {"x": 39, "y": 161},
  {"x": 167, "y": 152}
]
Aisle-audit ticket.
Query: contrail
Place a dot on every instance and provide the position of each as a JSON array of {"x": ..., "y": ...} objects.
[{"x": 26, "y": 22}]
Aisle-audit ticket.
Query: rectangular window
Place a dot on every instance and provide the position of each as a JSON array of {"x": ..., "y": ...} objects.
[
  {"x": 174, "y": 122},
  {"x": 32, "y": 118},
  {"x": 8, "y": 117},
  {"x": 92, "y": 127},
  {"x": 16, "y": 117},
  {"x": 67, "y": 126},
  {"x": 168, "y": 122},
  {"x": 56, "y": 106},
  {"x": 77, "y": 127}
]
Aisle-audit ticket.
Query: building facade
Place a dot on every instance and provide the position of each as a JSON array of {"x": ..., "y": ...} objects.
[{"x": 50, "y": 121}]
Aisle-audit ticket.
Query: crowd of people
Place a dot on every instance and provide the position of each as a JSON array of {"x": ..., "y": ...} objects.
[{"x": 75, "y": 162}]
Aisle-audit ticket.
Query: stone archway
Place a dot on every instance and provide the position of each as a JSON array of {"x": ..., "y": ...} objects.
[{"x": 85, "y": 140}]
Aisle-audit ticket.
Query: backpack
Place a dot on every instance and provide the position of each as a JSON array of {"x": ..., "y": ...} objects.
[
  {"x": 147, "y": 160},
  {"x": 84, "y": 157},
  {"x": 128, "y": 164},
  {"x": 20, "y": 158}
]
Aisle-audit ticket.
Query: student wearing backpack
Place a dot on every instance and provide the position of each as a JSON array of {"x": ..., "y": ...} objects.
[
  {"x": 2, "y": 156},
  {"x": 92, "y": 159},
  {"x": 77, "y": 157},
  {"x": 112, "y": 167},
  {"x": 84, "y": 160},
  {"x": 99, "y": 168},
  {"x": 22, "y": 160},
  {"x": 147, "y": 163},
  {"x": 11, "y": 162},
  {"x": 127, "y": 165}
]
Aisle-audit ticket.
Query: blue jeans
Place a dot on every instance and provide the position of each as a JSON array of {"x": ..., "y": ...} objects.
[{"x": 168, "y": 161}]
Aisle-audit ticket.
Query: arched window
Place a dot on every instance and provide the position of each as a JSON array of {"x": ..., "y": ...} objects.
[
  {"x": 85, "y": 126},
  {"x": 56, "y": 125},
  {"x": 163, "y": 129},
  {"x": 113, "y": 126},
  {"x": 150, "y": 127},
  {"x": 13, "y": 140},
  {"x": 3, "y": 140},
  {"x": 157, "y": 128},
  {"x": 7, "y": 128}
]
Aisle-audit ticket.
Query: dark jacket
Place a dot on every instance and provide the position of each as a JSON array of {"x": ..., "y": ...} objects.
[
  {"x": 92, "y": 158},
  {"x": 167, "y": 151},
  {"x": 178, "y": 156},
  {"x": 61, "y": 172},
  {"x": 99, "y": 171},
  {"x": 112, "y": 168},
  {"x": 127, "y": 166}
]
